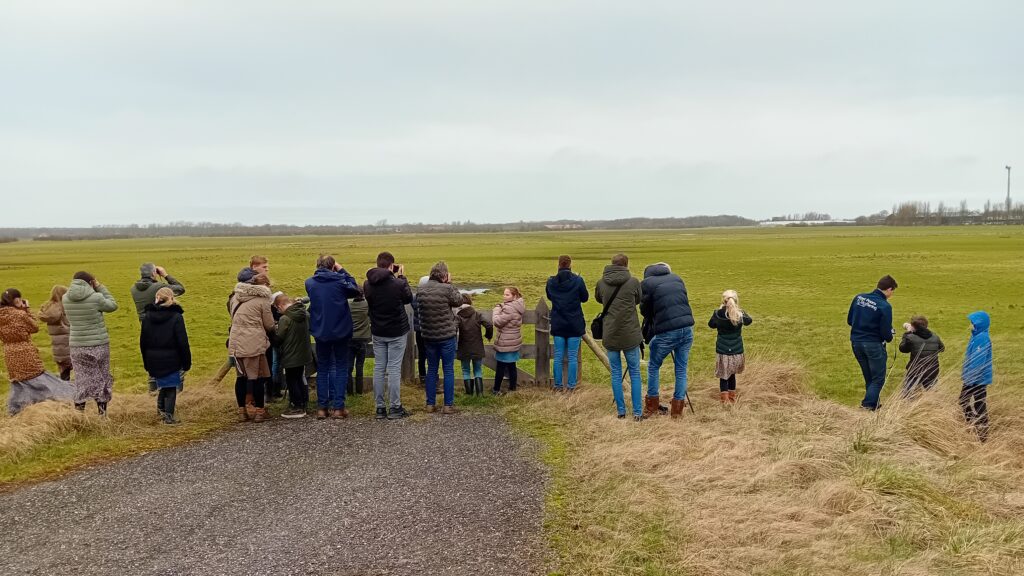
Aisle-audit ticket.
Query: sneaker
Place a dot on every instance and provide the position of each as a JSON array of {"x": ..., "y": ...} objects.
[
  {"x": 638, "y": 418},
  {"x": 293, "y": 413},
  {"x": 398, "y": 413},
  {"x": 381, "y": 414},
  {"x": 621, "y": 416},
  {"x": 556, "y": 389}
]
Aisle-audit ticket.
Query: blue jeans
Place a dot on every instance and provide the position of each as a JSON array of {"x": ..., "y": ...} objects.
[
  {"x": 567, "y": 347},
  {"x": 871, "y": 357},
  {"x": 443, "y": 352},
  {"x": 676, "y": 342},
  {"x": 472, "y": 369},
  {"x": 332, "y": 365},
  {"x": 635, "y": 383}
]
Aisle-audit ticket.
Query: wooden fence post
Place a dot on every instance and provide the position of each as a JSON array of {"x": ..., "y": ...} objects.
[
  {"x": 542, "y": 332},
  {"x": 409, "y": 359}
]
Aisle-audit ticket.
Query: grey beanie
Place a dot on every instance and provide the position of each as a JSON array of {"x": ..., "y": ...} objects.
[{"x": 148, "y": 270}]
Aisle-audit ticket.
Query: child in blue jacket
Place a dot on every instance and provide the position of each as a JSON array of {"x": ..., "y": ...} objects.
[{"x": 977, "y": 374}]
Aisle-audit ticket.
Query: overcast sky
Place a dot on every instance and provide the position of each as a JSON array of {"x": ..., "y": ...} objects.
[{"x": 113, "y": 112}]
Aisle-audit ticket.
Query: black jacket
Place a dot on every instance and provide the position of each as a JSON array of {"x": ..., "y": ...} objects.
[
  {"x": 387, "y": 295},
  {"x": 665, "y": 302},
  {"x": 567, "y": 293},
  {"x": 471, "y": 341},
  {"x": 924, "y": 347},
  {"x": 164, "y": 341},
  {"x": 730, "y": 336}
]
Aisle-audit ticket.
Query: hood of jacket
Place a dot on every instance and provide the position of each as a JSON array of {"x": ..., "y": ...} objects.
[
  {"x": 79, "y": 290},
  {"x": 980, "y": 320},
  {"x": 924, "y": 333},
  {"x": 466, "y": 311},
  {"x": 324, "y": 275},
  {"x": 245, "y": 292},
  {"x": 296, "y": 313},
  {"x": 565, "y": 279},
  {"x": 657, "y": 270},
  {"x": 616, "y": 275},
  {"x": 518, "y": 305},
  {"x": 142, "y": 284},
  {"x": 378, "y": 276},
  {"x": 163, "y": 314}
]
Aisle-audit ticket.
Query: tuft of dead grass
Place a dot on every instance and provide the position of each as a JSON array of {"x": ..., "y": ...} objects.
[{"x": 783, "y": 482}]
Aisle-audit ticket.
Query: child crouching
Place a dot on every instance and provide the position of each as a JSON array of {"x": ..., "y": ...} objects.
[{"x": 165, "y": 350}]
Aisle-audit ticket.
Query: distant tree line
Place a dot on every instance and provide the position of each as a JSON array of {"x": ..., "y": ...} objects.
[
  {"x": 213, "y": 229},
  {"x": 924, "y": 214},
  {"x": 806, "y": 217},
  {"x": 6, "y": 239}
]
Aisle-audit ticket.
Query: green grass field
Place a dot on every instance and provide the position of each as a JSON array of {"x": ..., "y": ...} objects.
[
  {"x": 800, "y": 482},
  {"x": 796, "y": 283}
]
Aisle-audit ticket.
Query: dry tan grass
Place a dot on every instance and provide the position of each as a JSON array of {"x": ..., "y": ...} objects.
[{"x": 784, "y": 483}]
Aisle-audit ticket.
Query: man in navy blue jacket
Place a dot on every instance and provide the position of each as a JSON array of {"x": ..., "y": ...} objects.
[
  {"x": 870, "y": 321},
  {"x": 330, "y": 323}
]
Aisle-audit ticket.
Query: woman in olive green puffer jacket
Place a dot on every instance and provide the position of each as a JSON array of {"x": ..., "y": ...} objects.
[{"x": 85, "y": 304}]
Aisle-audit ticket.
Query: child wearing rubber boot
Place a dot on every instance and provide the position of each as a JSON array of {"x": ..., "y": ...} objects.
[
  {"x": 473, "y": 327},
  {"x": 977, "y": 374},
  {"x": 729, "y": 320}
]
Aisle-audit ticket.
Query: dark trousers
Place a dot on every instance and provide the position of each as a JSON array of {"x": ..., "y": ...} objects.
[
  {"x": 728, "y": 384},
  {"x": 332, "y": 358},
  {"x": 256, "y": 387},
  {"x": 298, "y": 391},
  {"x": 871, "y": 357},
  {"x": 973, "y": 403},
  {"x": 503, "y": 368},
  {"x": 421, "y": 355},
  {"x": 273, "y": 386},
  {"x": 166, "y": 399},
  {"x": 355, "y": 381}
]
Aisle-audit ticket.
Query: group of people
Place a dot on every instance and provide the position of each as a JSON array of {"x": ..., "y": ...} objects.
[
  {"x": 870, "y": 320},
  {"x": 275, "y": 338}
]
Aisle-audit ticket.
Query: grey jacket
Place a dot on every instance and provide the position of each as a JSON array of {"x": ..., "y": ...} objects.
[
  {"x": 85, "y": 307},
  {"x": 436, "y": 303}
]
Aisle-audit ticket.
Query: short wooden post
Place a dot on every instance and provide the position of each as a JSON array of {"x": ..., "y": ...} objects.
[
  {"x": 542, "y": 332},
  {"x": 409, "y": 359}
]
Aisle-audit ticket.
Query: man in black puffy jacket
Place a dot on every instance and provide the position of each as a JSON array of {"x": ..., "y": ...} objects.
[{"x": 668, "y": 322}]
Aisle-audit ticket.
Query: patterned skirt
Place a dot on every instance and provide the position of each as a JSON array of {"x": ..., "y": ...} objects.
[
  {"x": 46, "y": 386},
  {"x": 93, "y": 380},
  {"x": 727, "y": 366}
]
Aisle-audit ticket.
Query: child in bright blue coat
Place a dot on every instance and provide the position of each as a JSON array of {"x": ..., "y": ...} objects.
[{"x": 977, "y": 374}]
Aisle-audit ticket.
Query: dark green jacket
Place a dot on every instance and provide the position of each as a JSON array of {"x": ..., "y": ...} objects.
[
  {"x": 730, "y": 336},
  {"x": 360, "y": 311},
  {"x": 293, "y": 335},
  {"x": 145, "y": 289},
  {"x": 621, "y": 323}
]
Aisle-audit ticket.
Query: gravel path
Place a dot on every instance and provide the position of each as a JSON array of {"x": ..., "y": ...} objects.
[{"x": 439, "y": 495}]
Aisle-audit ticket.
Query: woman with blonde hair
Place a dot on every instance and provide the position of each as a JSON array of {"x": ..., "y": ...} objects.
[
  {"x": 165, "y": 349},
  {"x": 729, "y": 320},
  {"x": 52, "y": 312}
]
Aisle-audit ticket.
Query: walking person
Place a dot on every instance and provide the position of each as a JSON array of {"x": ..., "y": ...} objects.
[
  {"x": 59, "y": 328},
  {"x": 924, "y": 347},
  {"x": 151, "y": 279},
  {"x": 619, "y": 292},
  {"x": 30, "y": 382},
  {"x": 295, "y": 352},
  {"x": 387, "y": 294},
  {"x": 165, "y": 350},
  {"x": 507, "y": 318},
  {"x": 567, "y": 293},
  {"x": 666, "y": 310},
  {"x": 436, "y": 301},
  {"x": 361, "y": 335},
  {"x": 977, "y": 374},
  {"x": 85, "y": 303},
  {"x": 870, "y": 321},
  {"x": 471, "y": 350},
  {"x": 330, "y": 322},
  {"x": 248, "y": 342},
  {"x": 730, "y": 360}
]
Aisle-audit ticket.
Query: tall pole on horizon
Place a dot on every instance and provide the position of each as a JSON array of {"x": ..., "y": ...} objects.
[{"x": 1008, "y": 204}]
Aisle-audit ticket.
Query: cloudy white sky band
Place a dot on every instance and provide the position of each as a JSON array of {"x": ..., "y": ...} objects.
[{"x": 345, "y": 112}]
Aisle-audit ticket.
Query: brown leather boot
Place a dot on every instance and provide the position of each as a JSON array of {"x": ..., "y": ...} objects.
[
  {"x": 261, "y": 415},
  {"x": 321, "y": 413},
  {"x": 651, "y": 406},
  {"x": 724, "y": 397},
  {"x": 732, "y": 396},
  {"x": 339, "y": 414},
  {"x": 243, "y": 414},
  {"x": 677, "y": 407}
]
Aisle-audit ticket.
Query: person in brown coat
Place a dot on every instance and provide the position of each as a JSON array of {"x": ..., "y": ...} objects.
[
  {"x": 508, "y": 320},
  {"x": 251, "y": 320},
  {"x": 471, "y": 345},
  {"x": 30, "y": 382},
  {"x": 57, "y": 324}
]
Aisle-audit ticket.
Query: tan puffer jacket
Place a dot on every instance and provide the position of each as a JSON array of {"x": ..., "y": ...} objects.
[
  {"x": 508, "y": 320},
  {"x": 251, "y": 321},
  {"x": 59, "y": 328}
]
